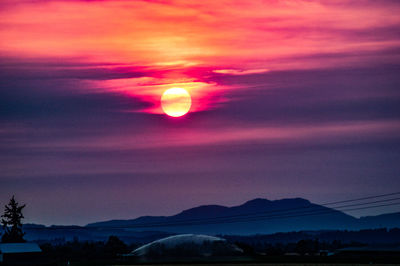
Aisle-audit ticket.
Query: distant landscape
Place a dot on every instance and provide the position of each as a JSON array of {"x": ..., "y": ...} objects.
[
  {"x": 260, "y": 230},
  {"x": 258, "y": 216}
]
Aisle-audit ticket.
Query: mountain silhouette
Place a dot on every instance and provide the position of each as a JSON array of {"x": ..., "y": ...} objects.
[
  {"x": 258, "y": 216},
  {"x": 389, "y": 220}
]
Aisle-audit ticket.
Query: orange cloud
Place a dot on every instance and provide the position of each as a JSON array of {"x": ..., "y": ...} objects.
[
  {"x": 225, "y": 37},
  {"x": 248, "y": 33}
]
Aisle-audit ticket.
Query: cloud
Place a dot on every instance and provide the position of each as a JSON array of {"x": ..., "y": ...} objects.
[
  {"x": 51, "y": 89},
  {"x": 288, "y": 97},
  {"x": 209, "y": 33},
  {"x": 15, "y": 68},
  {"x": 240, "y": 72}
]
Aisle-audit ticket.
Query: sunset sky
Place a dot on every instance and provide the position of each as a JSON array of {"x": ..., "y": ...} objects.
[{"x": 290, "y": 98}]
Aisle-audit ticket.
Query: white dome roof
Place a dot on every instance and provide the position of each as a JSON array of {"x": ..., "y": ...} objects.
[{"x": 174, "y": 241}]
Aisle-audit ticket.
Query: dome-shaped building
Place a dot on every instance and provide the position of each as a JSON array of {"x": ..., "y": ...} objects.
[{"x": 186, "y": 247}]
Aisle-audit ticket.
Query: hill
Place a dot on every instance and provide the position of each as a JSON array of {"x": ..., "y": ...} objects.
[
  {"x": 258, "y": 216},
  {"x": 253, "y": 217},
  {"x": 388, "y": 220}
]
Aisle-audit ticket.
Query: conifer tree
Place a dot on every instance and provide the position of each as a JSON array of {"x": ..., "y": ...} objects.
[{"x": 11, "y": 222}]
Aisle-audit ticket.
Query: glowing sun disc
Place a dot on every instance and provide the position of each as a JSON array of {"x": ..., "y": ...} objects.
[{"x": 176, "y": 102}]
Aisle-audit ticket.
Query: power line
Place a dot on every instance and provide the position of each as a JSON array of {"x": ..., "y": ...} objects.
[
  {"x": 275, "y": 214},
  {"x": 205, "y": 220},
  {"x": 284, "y": 212},
  {"x": 215, "y": 219},
  {"x": 359, "y": 199},
  {"x": 289, "y": 215}
]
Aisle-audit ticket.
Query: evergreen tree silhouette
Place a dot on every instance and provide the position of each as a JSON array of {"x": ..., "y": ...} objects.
[{"x": 11, "y": 222}]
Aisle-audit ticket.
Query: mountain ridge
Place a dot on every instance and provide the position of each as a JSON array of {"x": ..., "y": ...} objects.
[
  {"x": 284, "y": 215},
  {"x": 210, "y": 209},
  {"x": 205, "y": 219}
]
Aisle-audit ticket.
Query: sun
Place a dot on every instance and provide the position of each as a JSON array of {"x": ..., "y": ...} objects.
[{"x": 176, "y": 102}]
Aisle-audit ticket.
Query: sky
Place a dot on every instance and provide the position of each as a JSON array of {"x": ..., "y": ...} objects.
[{"x": 290, "y": 98}]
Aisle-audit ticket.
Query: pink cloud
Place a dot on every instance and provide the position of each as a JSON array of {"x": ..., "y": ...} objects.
[
  {"x": 240, "y": 72},
  {"x": 181, "y": 41}
]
